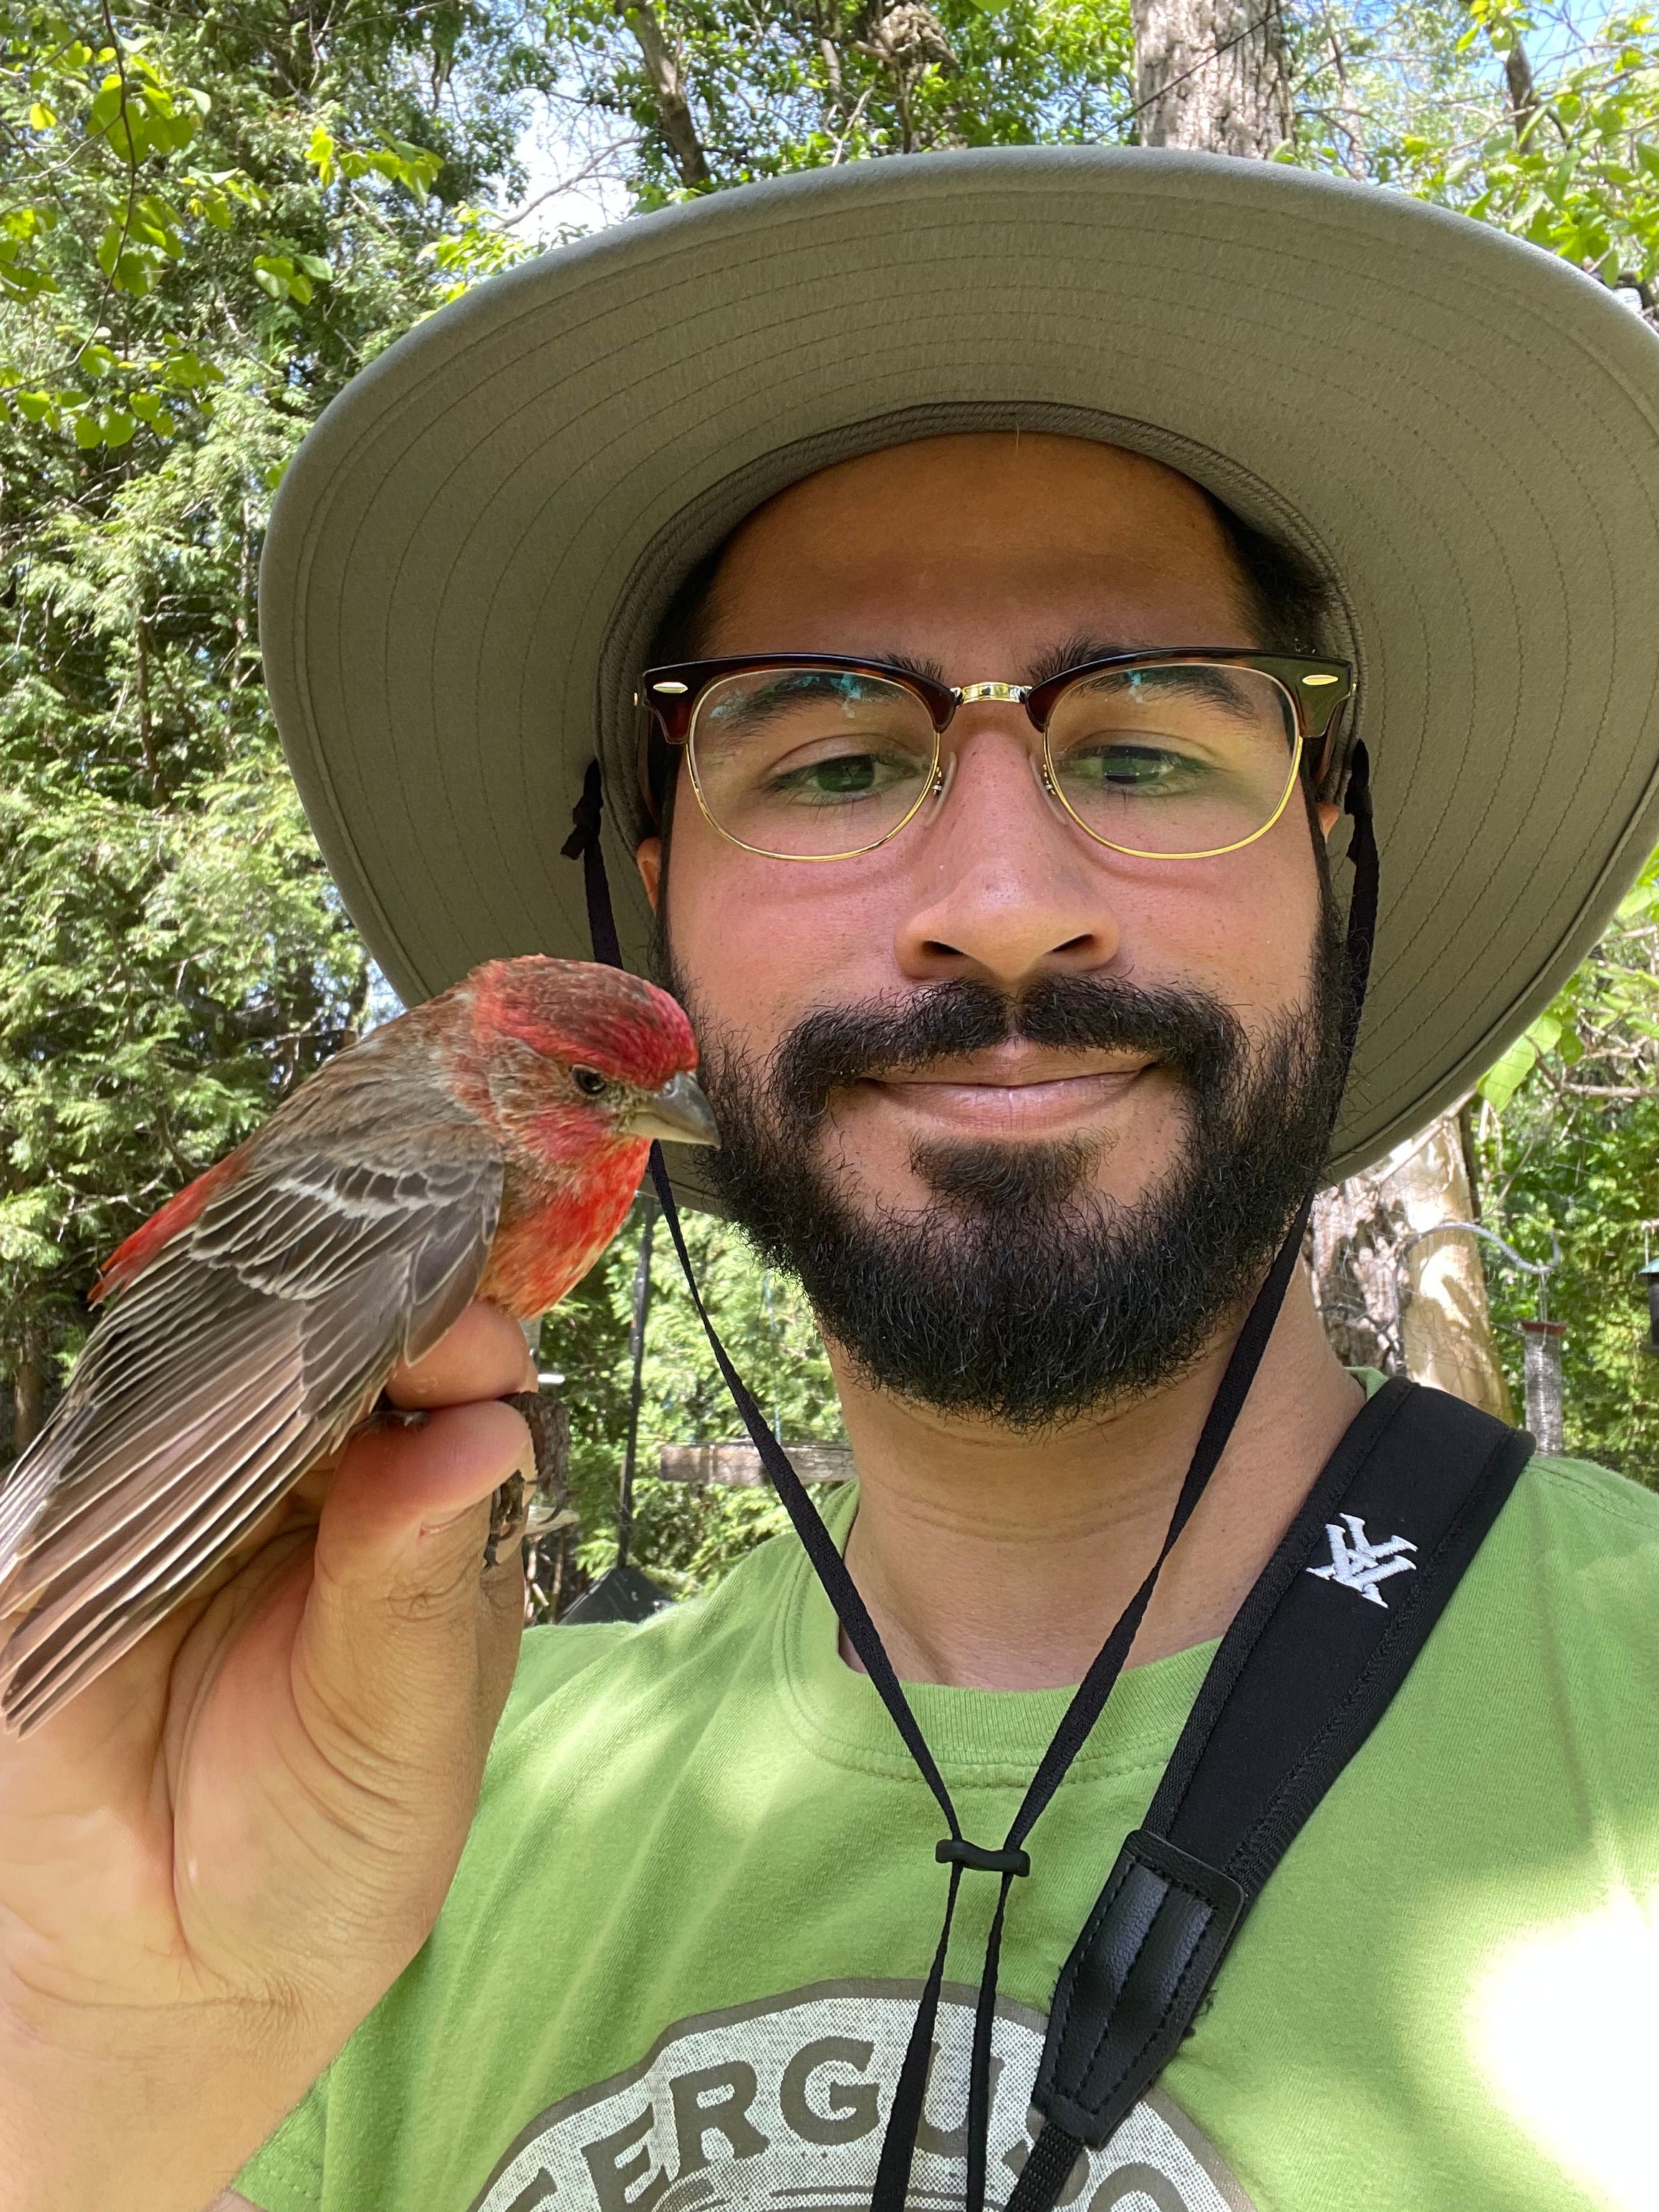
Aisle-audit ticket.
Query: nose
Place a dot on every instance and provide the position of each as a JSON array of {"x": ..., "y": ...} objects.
[{"x": 1003, "y": 890}]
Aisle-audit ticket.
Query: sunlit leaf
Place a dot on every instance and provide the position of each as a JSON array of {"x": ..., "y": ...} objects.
[{"x": 1504, "y": 1077}]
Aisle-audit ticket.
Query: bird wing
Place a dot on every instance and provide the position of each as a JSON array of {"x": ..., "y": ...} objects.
[{"x": 250, "y": 1344}]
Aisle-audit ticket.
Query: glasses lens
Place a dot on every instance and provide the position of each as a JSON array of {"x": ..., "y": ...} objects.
[
  {"x": 810, "y": 762},
  {"x": 1191, "y": 757}
]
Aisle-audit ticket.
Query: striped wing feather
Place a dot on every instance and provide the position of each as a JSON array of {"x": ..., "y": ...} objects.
[{"x": 247, "y": 1348}]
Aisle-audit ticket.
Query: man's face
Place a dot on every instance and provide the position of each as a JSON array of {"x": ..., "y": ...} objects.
[{"x": 1027, "y": 1116}]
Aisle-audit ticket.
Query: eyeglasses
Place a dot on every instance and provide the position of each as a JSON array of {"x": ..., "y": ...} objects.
[{"x": 1174, "y": 754}]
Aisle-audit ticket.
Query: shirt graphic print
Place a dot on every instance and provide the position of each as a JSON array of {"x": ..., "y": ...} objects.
[{"x": 783, "y": 2104}]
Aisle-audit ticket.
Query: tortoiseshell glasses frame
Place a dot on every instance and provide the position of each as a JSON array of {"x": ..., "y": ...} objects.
[{"x": 670, "y": 698}]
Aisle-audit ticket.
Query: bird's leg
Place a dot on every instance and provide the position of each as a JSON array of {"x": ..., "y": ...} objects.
[{"x": 520, "y": 1511}]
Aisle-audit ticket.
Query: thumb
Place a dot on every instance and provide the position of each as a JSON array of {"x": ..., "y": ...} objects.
[{"x": 406, "y": 1641}]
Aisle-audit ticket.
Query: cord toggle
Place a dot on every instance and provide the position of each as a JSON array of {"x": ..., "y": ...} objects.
[{"x": 956, "y": 1850}]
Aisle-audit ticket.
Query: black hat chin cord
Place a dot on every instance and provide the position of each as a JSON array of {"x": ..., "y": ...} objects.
[{"x": 1089, "y": 1700}]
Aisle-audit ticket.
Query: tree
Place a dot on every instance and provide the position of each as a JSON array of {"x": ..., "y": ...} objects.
[
  {"x": 211, "y": 216},
  {"x": 720, "y": 92},
  {"x": 1212, "y": 75},
  {"x": 1568, "y": 1141},
  {"x": 686, "y": 1538}
]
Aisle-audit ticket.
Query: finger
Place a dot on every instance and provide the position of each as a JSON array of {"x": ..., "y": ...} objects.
[
  {"x": 483, "y": 1355},
  {"x": 401, "y": 1627},
  {"x": 398, "y": 1487}
]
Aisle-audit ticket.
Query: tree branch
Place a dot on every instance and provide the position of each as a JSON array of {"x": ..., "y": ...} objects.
[
  {"x": 679, "y": 128},
  {"x": 1523, "y": 92}
]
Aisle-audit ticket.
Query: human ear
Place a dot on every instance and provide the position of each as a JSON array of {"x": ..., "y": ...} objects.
[
  {"x": 647, "y": 859},
  {"x": 1329, "y": 816}
]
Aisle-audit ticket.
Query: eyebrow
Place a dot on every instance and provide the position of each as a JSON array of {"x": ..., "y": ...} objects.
[
  {"x": 922, "y": 665},
  {"x": 1077, "y": 650},
  {"x": 1072, "y": 652}
]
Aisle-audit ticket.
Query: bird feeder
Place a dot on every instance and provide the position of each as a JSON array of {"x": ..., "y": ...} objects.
[
  {"x": 1650, "y": 1275},
  {"x": 1542, "y": 1367}
]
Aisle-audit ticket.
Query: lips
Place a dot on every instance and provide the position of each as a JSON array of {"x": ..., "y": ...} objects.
[{"x": 1011, "y": 1095}]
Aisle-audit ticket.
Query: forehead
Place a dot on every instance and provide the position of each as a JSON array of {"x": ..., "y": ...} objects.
[{"x": 981, "y": 524}]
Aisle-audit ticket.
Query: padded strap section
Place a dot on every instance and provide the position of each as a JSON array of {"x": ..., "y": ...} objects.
[
  {"x": 1303, "y": 1674},
  {"x": 1157, "y": 1933},
  {"x": 1331, "y": 1629}
]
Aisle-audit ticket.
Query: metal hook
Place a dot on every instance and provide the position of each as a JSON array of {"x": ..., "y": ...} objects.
[{"x": 1542, "y": 1268}]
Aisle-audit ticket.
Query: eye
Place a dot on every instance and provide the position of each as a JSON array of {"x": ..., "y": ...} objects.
[{"x": 589, "y": 1082}]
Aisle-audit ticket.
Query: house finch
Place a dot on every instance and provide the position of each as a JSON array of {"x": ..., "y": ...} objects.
[{"x": 486, "y": 1144}]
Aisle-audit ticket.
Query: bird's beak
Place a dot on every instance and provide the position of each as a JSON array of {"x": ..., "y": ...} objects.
[{"x": 678, "y": 1112}]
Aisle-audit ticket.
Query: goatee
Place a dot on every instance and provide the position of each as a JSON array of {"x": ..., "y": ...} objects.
[{"x": 1021, "y": 1293}]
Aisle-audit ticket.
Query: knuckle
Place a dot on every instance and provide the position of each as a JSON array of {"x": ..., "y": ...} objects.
[
  {"x": 441, "y": 1587},
  {"x": 503, "y": 1590}
]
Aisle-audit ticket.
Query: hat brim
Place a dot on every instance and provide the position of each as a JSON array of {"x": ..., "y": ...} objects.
[{"x": 471, "y": 549}]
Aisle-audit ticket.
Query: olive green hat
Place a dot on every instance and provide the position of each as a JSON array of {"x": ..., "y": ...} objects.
[{"x": 472, "y": 550}]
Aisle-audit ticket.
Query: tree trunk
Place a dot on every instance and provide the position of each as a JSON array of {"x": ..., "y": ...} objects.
[
  {"x": 1522, "y": 91},
  {"x": 28, "y": 1398},
  {"x": 1411, "y": 1308},
  {"x": 1212, "y": 75},
  {"x": 674, "y": 115}
]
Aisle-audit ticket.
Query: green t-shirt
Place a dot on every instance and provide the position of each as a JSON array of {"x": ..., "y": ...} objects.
[{"x": 681, "y": 1956}]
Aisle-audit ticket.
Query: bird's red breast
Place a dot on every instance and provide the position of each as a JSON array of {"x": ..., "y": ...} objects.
[{"x": 551, "y": 1232}]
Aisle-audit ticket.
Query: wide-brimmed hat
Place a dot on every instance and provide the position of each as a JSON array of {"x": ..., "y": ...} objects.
[{"x": 472, "y": 550}]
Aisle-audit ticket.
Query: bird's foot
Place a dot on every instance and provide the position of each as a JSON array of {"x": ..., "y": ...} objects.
[{"x": 520, "y": 1511}]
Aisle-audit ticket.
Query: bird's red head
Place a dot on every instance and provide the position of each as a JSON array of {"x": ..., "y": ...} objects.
[
  {"x": 581, "y": 1014},
  {"x": 576, "y": 1068},
  {"x": 570, "y": 1061}
]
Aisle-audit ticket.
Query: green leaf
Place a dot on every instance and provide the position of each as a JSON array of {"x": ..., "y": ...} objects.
[
  {"x": 106, "y": 106},
  {"x": 1505, "y": 1076},
  {"x": 320, "y": 154}
]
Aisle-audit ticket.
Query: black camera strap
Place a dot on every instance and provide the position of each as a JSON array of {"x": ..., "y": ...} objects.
[{"x": 1302, "y": 1677}]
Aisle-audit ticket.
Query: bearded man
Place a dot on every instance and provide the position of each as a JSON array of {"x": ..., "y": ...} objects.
[{"x": 988, "y": 582}]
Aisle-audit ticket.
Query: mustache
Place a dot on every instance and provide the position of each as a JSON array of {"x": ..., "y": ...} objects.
[{"x": 1201, "y": 1039}]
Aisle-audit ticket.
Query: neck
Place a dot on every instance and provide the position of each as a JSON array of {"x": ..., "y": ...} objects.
[{"x": 1001, "y": 1562}]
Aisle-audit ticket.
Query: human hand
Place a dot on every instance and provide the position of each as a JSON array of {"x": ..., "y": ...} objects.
[{"x": 217, "y": 1859}]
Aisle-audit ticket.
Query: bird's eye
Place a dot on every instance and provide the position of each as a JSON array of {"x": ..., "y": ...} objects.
[{"x": 589, "y": 1082}]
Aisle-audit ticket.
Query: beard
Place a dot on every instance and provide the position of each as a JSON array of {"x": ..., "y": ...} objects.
[{"x": 1019, "y": 1293}]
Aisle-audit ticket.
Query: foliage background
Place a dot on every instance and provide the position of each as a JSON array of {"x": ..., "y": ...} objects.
[
  {"x": 1568, "y": 1148},
  {"x": 212, "y": 213}
]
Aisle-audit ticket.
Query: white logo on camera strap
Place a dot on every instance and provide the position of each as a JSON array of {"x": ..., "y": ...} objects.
[{"x": 1356, "y": 1564}]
